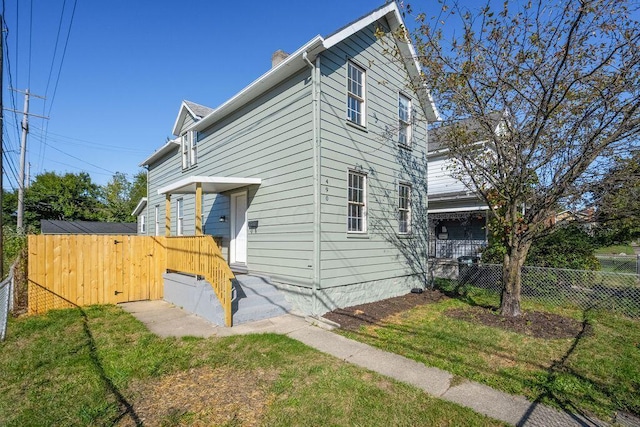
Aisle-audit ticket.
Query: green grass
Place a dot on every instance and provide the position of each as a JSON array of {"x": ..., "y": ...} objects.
[
  {"x": 79, "y": 368},
  {"x": 599, "y": 373},
  {"x": 615, "y": 250}
]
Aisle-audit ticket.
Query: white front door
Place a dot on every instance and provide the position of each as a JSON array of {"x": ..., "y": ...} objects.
[{"x": 238, "y": 244}]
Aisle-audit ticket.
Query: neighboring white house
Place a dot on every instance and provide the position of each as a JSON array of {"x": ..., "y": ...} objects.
[{"x": 457, "y": 216}]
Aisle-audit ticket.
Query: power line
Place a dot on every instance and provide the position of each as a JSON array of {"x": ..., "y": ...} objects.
[
  {"x": 64, "y": 52},
  {"x": 83, "y": 143},
  {"x": 8, "y": 56},
  {"x": 82, "y": 169},
  {"x": 44, "y": 131},
  {"x": 77, "y": 158}
]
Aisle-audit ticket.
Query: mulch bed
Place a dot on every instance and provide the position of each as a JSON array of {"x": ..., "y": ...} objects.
[
  {"x": 532, "y": 323},
  {"x": 351, "y": 318}
]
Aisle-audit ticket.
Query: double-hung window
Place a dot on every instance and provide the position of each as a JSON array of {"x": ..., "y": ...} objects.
[
  {"x": 404, "y": 120},
  {"x": 143, "y": 224},
  {"x": 179, "y": 217},
  {"x": 189, "y": 143},
  {"x": 355, "y": 94},
  {"x": 357, "y": 203},
  {"x": 404, "y": 208}
]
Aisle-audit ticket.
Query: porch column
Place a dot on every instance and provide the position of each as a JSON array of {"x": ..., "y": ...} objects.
[
  {"x": 167, "y": 224},
  {"x": 198, "y": 209}
]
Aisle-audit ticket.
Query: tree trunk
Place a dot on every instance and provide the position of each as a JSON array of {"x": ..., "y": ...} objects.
[{"x": 512, "y": 279}]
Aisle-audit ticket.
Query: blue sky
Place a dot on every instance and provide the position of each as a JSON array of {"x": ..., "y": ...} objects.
[{"x": 129, "y": 64}]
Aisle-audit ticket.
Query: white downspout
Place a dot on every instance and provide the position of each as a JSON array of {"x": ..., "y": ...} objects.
[{"x": 316, "y": 181}]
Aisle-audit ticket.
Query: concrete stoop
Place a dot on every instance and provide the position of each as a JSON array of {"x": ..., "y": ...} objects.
[{"x": 255, "y": 298}]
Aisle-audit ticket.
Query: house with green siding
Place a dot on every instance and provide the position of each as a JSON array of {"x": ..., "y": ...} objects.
[{"x": 299, "y": 173}]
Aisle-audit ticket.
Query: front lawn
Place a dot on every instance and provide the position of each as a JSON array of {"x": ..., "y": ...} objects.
[
  {"x": 597, "y": 371},
  {"x": 101, "y": 367}
]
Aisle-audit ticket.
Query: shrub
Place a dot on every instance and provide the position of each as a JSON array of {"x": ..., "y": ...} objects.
[{"x": 566, "y": 247}]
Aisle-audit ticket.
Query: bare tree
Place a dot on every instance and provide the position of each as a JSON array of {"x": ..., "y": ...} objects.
[{"x": 566, "y": 76}]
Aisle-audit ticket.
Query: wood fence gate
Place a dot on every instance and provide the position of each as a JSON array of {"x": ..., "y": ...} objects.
[{"x": 78, "y": 270}]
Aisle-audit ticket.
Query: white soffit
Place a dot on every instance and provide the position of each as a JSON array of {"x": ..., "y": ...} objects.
[
  {"x": 210, "y": 184},
  {"x": 466, "y": 209}
]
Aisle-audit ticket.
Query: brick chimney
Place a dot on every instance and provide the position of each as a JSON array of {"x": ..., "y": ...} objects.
[{"x": 277, "y": 57}]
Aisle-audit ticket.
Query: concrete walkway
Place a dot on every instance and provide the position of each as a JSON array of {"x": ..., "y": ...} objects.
[{"x": 166, "y": 320}]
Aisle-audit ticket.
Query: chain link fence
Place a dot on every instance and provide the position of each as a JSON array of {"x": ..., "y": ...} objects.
[
  {"x": 617, "y": 292},
  {"x": 6, "y": 302},
  {"x": 620, "y": 263}
]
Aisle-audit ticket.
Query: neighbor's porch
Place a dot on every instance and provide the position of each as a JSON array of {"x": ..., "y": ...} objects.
[{"x": 457, "y": 234}]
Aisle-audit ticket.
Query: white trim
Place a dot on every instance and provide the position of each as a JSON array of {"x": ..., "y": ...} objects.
[
  {"x": 140, "y": 206},
  {"x": 179, "y": 218},
  {"x": 233, "y": 213},
  {"x": 408, "y": 122},
  {"x": 358, "y": 25},
  {"x": 465, "y": 209},
  {"x": 166, "y": 148},
  {"x": 363, "y": 203},
  {"x": 143, "y": 223},
  {"x": 362, "y": 98},
  {"x": 282, "y": 71},
  {"x": 406, "y": 209},
  {"x": 157, "y": 220},
  {"x": 210, "y": 184}
]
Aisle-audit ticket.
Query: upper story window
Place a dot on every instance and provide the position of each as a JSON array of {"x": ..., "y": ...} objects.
[
  {"x": 404, "y": 120},
  {"x": 188, "y": 143},
  {"x": 357, "y": 202},
  {"x": 404, "y": 208},
  {"x": 355, "y": 94}
]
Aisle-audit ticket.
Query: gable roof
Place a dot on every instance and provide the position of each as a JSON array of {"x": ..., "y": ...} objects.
[
  {"x": 318, "y": 44},
  {"x": 299, "y": 60},
  {"x": 437, "y": 136},
  {"x": 48, "y": 226},
  {"x": 196, "y": 111},
  {"x": 169, "y": 146},
  {"x": 140, "y": 206}
]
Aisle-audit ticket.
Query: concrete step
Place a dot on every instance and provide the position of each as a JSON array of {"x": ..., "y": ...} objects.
[{"x": 257, "y": 299}]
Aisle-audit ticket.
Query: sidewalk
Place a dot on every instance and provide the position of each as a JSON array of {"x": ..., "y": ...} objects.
[{"x": 165, "y": 320}]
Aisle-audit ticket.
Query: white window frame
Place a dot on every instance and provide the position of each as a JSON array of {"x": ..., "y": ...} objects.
[
  {"x": 404, "y": 208},
  {"x": 404, "y": 120},
  {"x": 179, "y": 217},
  {"x": 189, "y": 149},
  {"x": 157, "y": 220},
  {"x": 356, "y": 202},
  {"x": 358, "y": 97},
  {"x": 143, "y": 223}
]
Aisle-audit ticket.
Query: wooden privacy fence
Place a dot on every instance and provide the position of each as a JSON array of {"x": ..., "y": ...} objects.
[{"x": 78, "y": 270}]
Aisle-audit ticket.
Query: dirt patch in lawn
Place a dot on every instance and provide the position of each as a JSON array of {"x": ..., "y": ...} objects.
[
  {"x": 201, "y": 396},
  {"x": 352, "y": 318},
  {"x": 534, "y": 323}
]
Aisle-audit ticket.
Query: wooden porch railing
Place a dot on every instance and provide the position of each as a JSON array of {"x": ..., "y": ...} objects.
[{"x": 201, "y": 255}]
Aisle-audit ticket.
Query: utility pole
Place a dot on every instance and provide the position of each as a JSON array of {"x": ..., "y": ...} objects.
[{"x": 23, "y": 156}]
